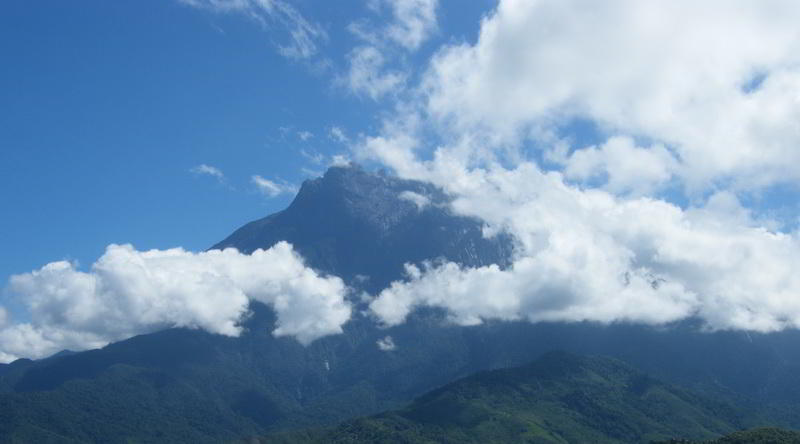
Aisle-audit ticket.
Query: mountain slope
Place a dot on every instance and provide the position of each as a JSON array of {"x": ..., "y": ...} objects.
[
  {"x": 764, "y": 435},
  {"x": 358, "y": 225},
  {"x": 363, "y": 227},
  {"x": 560, "y": 398}
]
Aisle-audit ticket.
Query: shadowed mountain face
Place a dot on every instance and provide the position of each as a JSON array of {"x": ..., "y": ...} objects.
[
  {"x": 363, "y": 227},
  {"x": 190, "y": 386}
]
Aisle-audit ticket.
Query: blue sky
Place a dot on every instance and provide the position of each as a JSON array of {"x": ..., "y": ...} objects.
[
  {"x": 643, "y": 154},
  {"x": 107, "y": 105}
]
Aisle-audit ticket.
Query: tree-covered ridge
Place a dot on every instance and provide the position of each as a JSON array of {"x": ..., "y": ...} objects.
[
  {"x": 762, "y": 435},
  {"x": 559, "y": 398}
]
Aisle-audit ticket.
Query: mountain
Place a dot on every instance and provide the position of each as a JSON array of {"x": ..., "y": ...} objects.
[
  {"x": 363, "y": 227},
  {"x": 182, "y": 385},
  {"x": 559, "y": 398}
]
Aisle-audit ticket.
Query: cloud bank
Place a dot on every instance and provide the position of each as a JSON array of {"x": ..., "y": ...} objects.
[
  {"x": 716, "y": 82},
  {"x": 696, "y": 107},
  {"x": 585, "y": 255},
  {"x": 129, "y": 292}
]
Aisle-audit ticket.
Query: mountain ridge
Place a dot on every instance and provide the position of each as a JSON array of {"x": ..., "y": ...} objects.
[
  {"x": 358, "y": 226},
  {"x": 257, "y": 383},
  {"x": 558, "y": 398}
]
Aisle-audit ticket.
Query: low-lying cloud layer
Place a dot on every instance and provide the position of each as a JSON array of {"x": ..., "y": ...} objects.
[
  {"x": 590, "y": 256},
  {"x": 689, "y": 103},
  {"x": 129, "y": 292}
]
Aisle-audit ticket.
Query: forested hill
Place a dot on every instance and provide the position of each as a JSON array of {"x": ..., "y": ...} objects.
[
  {"x": 765, "y": 435},
  {"x": 559, "y": 398}
]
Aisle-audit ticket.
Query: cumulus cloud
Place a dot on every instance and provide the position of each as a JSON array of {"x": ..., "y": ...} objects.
[
  {"x": 272, "y": 189},
  {"x": 586, "y": 255},
  {"x": 129, "y": 292},
  {"x": 386, "y": 344},
  {"x": 417, "y": 199},
  {"x": 710, "y": 112},
  {"x": 678, "y": 73},
  {"x": 303, "y": 35},
  {"x": 622, "y": 167}
]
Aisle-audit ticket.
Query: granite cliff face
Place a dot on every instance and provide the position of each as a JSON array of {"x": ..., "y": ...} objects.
[{"x": 363, "y": 227}]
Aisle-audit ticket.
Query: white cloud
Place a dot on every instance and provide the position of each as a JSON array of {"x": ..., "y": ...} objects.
[
  {"x": 368, "y": 75},
  {"x": 340, "y": 160},
  {"x": 586, "y": 255},
  {"x": 417, "y": 199},
  {"x": 672, "y": 72},
  {"x": 338, "y": 135},
  {"x": 669, "y": 85},
  {"x": 305, "y": 135},
  {"x": 313, "y": 156},
  {"x": 623, "y": 167},
  {"x": 129, "y": 292},
  {"x": 209, "y": 171},
  {"x": 303, "y": 36},
  {"x": 411, "y": 23},
  {"x": 369, "y": 71},
  {"x": 272, "y": 189},
  {"x": 4, "y": 317},
  {"x": 386, "y": 344},
  {"x": 414, "y": 21}
]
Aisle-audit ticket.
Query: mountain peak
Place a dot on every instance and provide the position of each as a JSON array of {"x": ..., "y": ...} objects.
[
  {"x": 364, "y": 226},
  {"x": 376, "y": 200}
]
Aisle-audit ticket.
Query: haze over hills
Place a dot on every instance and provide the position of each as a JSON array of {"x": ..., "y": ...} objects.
[{"x": 188, "y": 385}]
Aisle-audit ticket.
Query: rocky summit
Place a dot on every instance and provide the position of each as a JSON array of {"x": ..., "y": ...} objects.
[{"x": 363, "y": 227}]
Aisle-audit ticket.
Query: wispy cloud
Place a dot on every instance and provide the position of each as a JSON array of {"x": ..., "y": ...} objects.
[
  {"x": 338, "y": 135},
  {"x": 209, "y": 170},
  {"x": 368, "y": 75},
  {"x": 370, "y": 72},
  {"x": 313, "y": 156},
  {"x": 414, "y": 21},
  {"x": 271, "y": 188},
  {"x": 410, "y": 24},
  {"x": 303, "y": 36}
]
